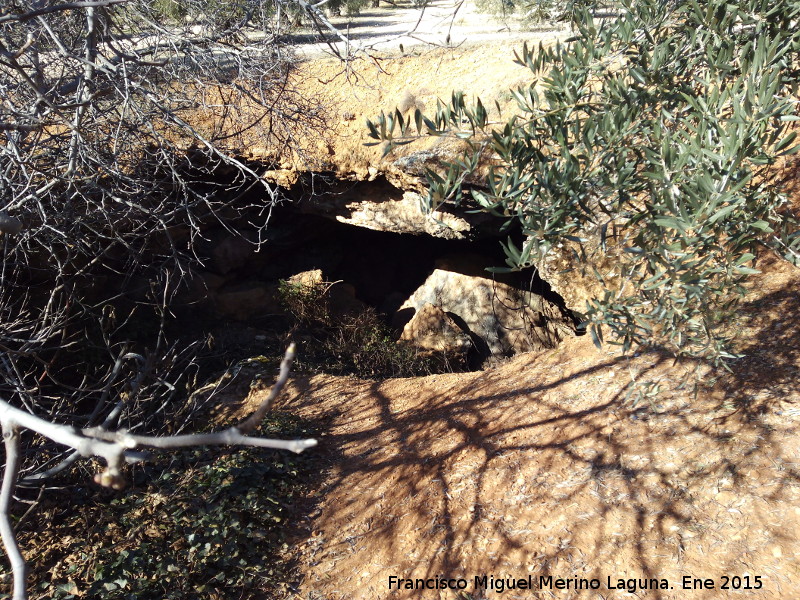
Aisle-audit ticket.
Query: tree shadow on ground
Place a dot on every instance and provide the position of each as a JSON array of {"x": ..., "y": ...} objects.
[
  {"x": 546, "y": 466},
  {"x": 769, "y": 369}
]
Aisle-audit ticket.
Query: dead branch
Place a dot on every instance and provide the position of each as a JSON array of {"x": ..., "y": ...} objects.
[{"x": 115, "y": 448}]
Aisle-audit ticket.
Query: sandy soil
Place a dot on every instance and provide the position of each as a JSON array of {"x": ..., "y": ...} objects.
[
  {"x": 391, "y": 71},
  {"x": 442, "y": 23},
  {"x": 554, "y": 465}
]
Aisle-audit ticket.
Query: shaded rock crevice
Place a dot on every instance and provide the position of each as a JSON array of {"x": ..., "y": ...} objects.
[
  {"x": 383, "y": 204},
  {"x": 432, "y": 287}
]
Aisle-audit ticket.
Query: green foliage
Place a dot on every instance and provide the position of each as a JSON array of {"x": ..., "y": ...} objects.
[
  {"x": 537, "y": 12},
  {"x": 206, "y": 524},
  {"x": 172, "y": 10},
  {"x": 530, "y": 11},
  {"x": 307, "y": 303},
  {"x": 216, "y": 15},
  {"x": 641, "y": 144}
]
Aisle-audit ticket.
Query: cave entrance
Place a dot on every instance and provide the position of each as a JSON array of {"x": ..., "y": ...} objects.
[{"x": 240, "y": 300}]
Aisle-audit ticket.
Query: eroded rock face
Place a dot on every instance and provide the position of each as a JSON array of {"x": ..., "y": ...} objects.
[
  {"x": 576, "y": 282},
  {"x": 459, "y": 310},
  {"x": 502, "y": 319},
  {"x": 382, "y": 207},
  {"x": 308, "y": 279},
  {"x": 404, "y": 216}
]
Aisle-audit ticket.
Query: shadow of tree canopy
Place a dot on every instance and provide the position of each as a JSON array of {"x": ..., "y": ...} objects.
[
  {"x": 769, "y": 369},
  {"x": 546, "y": 466}
]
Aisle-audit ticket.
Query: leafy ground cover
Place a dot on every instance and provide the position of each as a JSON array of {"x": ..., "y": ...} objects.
[{"x": 202, "y": 523}]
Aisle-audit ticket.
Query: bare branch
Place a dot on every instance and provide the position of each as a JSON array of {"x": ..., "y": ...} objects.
[
  {"x": 19, "y": 127},
  {"x": 122, "y": 134},
  {"x": 228, "y": 437},
  {"x": 258, "y": 415},
  {"x": 115, "y": 448},
  {"x": 18, "y": 566},
  {"x": 46, "y": 10}
]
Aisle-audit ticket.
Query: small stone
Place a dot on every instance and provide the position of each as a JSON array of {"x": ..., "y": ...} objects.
[{"x": 432, "y": 329}]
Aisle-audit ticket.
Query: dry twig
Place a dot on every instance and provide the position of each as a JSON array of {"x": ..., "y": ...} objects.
[{"x": 116, "y": 447}]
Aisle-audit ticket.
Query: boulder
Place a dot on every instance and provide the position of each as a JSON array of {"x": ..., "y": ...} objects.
[
  {"x": 431, "y": 329},
  {"x": 308, "y": 279},
  {"x": 502, "y": 320},
  {"x": 342, "y": 301},
  {"x": 248, "y": 300}
]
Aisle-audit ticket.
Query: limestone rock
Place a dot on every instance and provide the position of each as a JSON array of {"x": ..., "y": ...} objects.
[
  {"x": 433, "y": 330},
  {"x": 575, "y": 282},
  {"x": 247, "y": 300},
  {"x": 380, "y": 206},
  {"x": 502, "y": 319},
  {"x": 309, "y": 279},
  {"x": 285, "y": 178},
  {"x": 405, "y": 216}
]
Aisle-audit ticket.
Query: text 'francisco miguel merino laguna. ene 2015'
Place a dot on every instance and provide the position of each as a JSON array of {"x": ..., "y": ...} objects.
[{"x": 545, "y": 582}]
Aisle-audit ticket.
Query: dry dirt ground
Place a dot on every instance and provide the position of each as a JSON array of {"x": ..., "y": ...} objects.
[
  {"x": 384, "y": 78},
  {"x": 547, "y": 466},
  {"x": 555, "y": 465}
]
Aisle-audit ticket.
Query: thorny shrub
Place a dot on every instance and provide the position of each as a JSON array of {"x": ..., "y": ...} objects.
[
  {"x": 360, "y": 344},
  {"x": 117, "y": 124}
]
